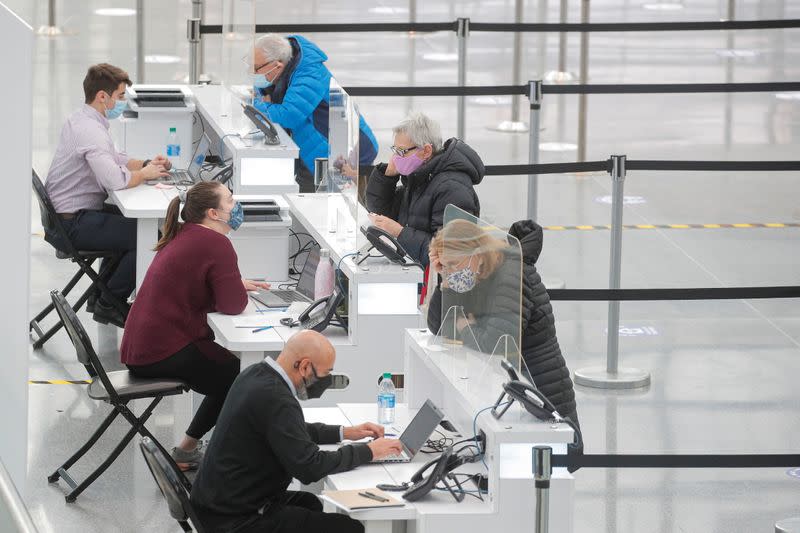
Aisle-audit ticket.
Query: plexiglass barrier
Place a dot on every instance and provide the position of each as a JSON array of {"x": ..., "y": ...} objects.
[
  {"x": 345, "y": 216},
  {"x": 479, "y": 303}
]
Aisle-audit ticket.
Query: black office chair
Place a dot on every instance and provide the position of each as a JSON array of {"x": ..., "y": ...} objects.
[
  {"x": 84, "y": 259},
  {"x": 115, "y": 388},
  {"x": 167, "y": 479}
]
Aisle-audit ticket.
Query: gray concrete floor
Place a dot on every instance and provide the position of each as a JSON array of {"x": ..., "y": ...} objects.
[{"x": 724, "y": 373}]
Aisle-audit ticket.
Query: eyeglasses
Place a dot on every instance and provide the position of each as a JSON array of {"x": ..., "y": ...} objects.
[{"x": 402, "y": 151}]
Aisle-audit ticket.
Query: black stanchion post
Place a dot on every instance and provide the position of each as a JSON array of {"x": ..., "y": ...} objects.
[
  {"x": 542, "y": 470},
  {"x": 198, "y": 12},
  {"x": 193, "y": 35},
  {"x": 140, "y": 78},
  {"x": 613, "y": 377},
  {"x": 583, "y": 76},
  {"x": 50, "y": 29},
  {"x": 462, "y": 33},
  {"x": 535, "y": 98}
]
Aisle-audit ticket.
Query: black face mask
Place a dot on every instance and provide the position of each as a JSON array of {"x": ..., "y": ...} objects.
[
  {"x": 314, "y": 386},
  {"x": 319, "y": 386}
]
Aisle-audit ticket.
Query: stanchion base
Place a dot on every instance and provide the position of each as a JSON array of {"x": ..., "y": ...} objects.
[
  {"x": 788, "y": 525},
  {"x": 510, "y": 126},
  {"x": 559, "y": 76},
  {"x": 599, "y": 378},
  {"x": 554, "y": 283},
  {"x": 49, "y": 31}
]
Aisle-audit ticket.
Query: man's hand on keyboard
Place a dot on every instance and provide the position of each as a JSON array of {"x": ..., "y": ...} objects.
[
  {"x": 367, "y": 429},
  {"x": 382, "y": 448}
]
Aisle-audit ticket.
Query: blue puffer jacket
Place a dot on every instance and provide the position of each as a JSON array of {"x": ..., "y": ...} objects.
[{"x": 300, "y": 104}]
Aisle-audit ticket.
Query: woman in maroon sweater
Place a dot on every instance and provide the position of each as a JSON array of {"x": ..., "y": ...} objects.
[{"x": 195, "y": 272}]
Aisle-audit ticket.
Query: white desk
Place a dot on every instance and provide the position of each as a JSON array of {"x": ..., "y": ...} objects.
[
  {"x": 147, "y": 204},
  {"x": 437, "y": 512}
]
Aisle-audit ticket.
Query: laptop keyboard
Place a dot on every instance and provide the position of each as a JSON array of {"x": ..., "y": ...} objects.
[{"x": 288, "y": 296}]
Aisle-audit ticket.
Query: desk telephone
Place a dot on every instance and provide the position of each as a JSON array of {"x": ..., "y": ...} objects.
[
  {"x": 263, "y": 123},
  {"x": 318, "y": 314},
  {"x": 386, "y": 245},
  {"x": 440, "y": 472}
]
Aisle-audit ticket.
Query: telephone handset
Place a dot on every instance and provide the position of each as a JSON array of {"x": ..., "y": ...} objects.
[
  {"x": 318, "y": 314},
  {"x": 526, "y": 394},
  {"x": 385, "y": 243},
  {"x": 536, "y": 404},
  {"x": 440, "y": 472},
  {"x": 263, "y": 123}
]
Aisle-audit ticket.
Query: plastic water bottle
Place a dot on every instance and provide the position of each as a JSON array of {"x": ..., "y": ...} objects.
[
  {"x": 386, "y": 400},
  {"x": 173, "y": 146},
  {"x": 323, "y": 279}
]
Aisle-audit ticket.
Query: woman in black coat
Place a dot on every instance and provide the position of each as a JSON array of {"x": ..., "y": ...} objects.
[{"x": 482, "y": 274}]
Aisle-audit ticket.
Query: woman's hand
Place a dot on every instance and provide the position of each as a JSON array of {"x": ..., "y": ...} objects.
[
  {"x": 434, "y": 261},
  {"x": 254, "y": 285}
]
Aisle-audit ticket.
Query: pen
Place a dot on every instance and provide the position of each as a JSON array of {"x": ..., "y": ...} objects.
[
  {"x": 371, "y": 496},
  {"x": 261, "y": 329},
  {"x": 390, "y": 434}
]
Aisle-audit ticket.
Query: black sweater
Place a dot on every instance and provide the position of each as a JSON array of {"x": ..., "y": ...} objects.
[
  {"x": 260, "y": 443},
  {"x": 419, "y": 203}
]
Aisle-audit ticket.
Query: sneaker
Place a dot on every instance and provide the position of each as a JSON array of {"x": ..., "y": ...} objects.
[
  {"x": 105, "y": 314},
  {"x": 188, "y": 460}
]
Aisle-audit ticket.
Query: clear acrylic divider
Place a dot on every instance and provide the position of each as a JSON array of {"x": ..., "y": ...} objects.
[
  {"x": 343, "y": 173},
  {"x": 481, "y": 302},
  {"x": 238, "y": 39}
]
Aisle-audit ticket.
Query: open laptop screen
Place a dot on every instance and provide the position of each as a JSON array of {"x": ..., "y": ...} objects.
[
  {"x": 421, "y": 427},
  {"x": 199, "y": 157},
  {"x": 305, "y": 285}
]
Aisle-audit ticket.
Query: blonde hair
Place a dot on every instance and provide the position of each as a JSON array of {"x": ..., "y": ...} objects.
[{"x": 463, "y": 238}]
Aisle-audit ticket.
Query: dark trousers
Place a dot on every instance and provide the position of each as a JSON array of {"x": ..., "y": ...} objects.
[
  {"x": 297, "y": 512},
  {"x": 105, "y": 230},
  {"x": 212, "y": 377}
]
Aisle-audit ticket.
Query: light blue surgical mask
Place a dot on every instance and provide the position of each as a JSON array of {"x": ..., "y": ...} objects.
[
  {"x": 260, "y": 81},
  {"x": 115, "y": 112}
]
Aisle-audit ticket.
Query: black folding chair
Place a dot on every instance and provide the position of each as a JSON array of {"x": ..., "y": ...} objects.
[
  {"x": 168, "y": 480},
  {"x": 83, "y": 258},
  {"x": 115, "y": 388}
]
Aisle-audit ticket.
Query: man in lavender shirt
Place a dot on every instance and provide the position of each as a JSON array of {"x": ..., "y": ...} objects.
[{"x": 85, "y": 167}]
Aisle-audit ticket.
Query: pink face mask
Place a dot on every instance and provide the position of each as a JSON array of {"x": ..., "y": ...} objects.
[{"x": 408, "y": 164}]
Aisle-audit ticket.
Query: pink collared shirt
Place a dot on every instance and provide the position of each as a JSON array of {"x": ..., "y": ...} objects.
[{"x": 86, "y": 165}]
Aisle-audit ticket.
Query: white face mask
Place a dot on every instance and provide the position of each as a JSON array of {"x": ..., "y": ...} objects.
[{"x": 463, "y": 280}]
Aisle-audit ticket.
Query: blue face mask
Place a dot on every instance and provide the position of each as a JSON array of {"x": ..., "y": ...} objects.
[
  {"x": 236, "y": 216},
  {"x": 116, "y": 111},
  {"x": 260, "y": 81}
]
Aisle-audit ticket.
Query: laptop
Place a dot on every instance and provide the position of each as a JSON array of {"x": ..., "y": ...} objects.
[
  {"x": 305, "y": 286},
  {"x": 192, "y": 174},
  {"x": 416, "y": 434}
]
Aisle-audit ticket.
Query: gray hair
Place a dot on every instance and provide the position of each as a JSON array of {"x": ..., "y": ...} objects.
[
  {"x": 422, "y": 130},
  {"x": 275, "y": 47}
]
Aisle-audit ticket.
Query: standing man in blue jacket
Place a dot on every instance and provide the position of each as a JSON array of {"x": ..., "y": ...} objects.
[{"x": 291, "y": 85}]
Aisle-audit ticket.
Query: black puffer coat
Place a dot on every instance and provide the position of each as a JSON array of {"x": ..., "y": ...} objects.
[
  {"x": 419, "y": 203},
  {"x": 495, "y": 303}
]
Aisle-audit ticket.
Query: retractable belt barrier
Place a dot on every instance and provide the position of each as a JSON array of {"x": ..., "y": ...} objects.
[
  {"x": 676, "y": 461},
  {"x": 514, "y": 27},
  {"x": 633, "y": 164},
  {"x": 591, "y": 88},
  {"x": 720, "y": 293}
]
